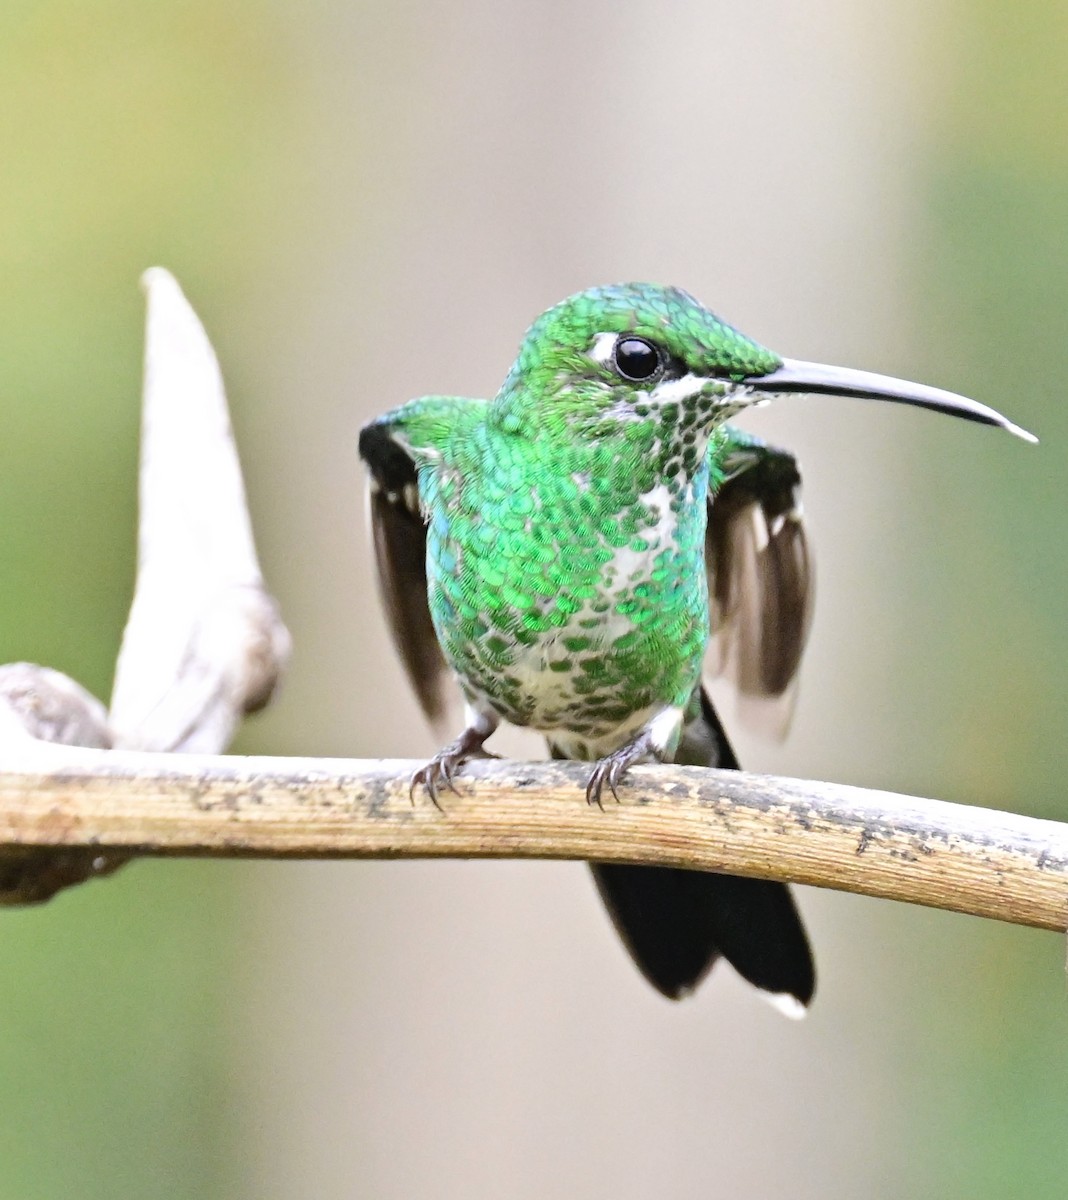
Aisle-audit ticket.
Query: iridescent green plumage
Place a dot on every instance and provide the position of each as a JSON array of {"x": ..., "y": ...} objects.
[
  {"x": 560, "y": 571},
  {"x": 561, "y": 542},
  {"x": 566, "y": 518}
]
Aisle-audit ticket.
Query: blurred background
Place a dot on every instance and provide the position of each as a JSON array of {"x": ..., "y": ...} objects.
[{"x": 366, "y": 202}]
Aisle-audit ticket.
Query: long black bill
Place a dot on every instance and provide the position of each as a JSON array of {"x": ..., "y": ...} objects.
[{"x": 795, "y": 376}]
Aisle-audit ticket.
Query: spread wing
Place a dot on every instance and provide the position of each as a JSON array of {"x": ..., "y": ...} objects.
[
  {"x": 399, "y": 535},
  {"x": 760, "y": 579}
]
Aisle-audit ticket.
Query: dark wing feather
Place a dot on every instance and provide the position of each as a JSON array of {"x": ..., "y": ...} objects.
[
  {"x": 759, "y": 575},
  {"x": 399, "y": 535}
]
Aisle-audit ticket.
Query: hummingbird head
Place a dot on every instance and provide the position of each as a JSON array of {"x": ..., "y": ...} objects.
[
  {"x": 630, "y": 352},
  {"x": 638, "y": 352}
]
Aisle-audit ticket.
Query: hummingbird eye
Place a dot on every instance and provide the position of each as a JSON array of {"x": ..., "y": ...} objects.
[{"x": 636, "y": 359}]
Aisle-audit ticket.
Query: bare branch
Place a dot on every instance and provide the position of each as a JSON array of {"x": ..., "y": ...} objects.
[
  {"x": 204, "y": 645},
  {"x": 39, "y": 703},
  {"x": 950, "y": 856}
]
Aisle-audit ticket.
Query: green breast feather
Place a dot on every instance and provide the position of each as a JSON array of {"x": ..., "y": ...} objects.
[{"x": 566, "y": 582}]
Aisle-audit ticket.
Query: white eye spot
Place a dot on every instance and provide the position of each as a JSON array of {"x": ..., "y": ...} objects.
[{"x": 603, "y": 345}]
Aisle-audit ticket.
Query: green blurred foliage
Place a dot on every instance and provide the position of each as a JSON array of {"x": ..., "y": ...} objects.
[
  {"x": 994, "y": 269},
  {"x": 112, "y": 1039},
  {"x": 131, "y": 135}
]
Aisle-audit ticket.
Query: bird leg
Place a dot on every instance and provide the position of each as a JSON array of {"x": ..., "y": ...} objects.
[
  {"x": 443, "y": 766},
  {"x": 658, "y": 740},
  {"x": 612, "y": 767}
]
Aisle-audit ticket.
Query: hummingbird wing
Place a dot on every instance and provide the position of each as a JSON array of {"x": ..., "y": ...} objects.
[
  {"x": 760, "y": 579},
  {"x": 398, "y": 532}
]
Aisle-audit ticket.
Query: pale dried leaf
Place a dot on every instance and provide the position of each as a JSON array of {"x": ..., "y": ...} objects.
[{"x": 204, "y": 643}]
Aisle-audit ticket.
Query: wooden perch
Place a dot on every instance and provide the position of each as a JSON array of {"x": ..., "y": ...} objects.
[
  {"x": 80, "y": 795},
  {"x": 950, "y": 856}
]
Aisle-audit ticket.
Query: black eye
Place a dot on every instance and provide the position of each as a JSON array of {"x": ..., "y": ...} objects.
[{"x": 635, "y": 358}]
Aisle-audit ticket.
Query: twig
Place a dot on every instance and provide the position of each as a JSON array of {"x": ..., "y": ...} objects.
[
  {"x": 973, "y": 860},
  {"x": 204, "y": 645}
]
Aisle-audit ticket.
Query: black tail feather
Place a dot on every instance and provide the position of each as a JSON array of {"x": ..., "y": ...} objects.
[{"x": 676, "y": 923}]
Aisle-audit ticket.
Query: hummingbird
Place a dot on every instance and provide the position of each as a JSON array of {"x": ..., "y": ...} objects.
[{"x": 580, "y": 552}]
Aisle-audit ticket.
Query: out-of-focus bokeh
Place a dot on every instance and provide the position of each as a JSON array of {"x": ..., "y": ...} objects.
[{"x": 370, "y": 201}]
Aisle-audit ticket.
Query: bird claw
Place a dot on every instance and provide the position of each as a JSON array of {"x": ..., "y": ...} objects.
[
  {"x": 439, "y": 771},
  {"x": 614, "y": 766},
  {"x": 609, "y": 771},
  {"x": 442, "y": 768},
  {"x": 594, "y": 787}
]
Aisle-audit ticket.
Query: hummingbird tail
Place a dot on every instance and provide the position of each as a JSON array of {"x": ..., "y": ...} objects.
[{"x": 676, "y": 923}]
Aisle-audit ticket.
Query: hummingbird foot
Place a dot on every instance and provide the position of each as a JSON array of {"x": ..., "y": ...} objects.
[
  {"x": 657, "y": 740},
  {"x": 442, "y": 768},
  {"x": 614, "y": 766}
]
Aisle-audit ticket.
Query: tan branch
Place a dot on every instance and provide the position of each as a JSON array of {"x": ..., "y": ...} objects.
[
  {"x": 205, "y": 645},
  {"x": 950, "y": 856}
]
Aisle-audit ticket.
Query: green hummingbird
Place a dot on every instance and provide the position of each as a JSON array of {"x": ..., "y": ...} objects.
[{"x": 568, "y": 549}]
